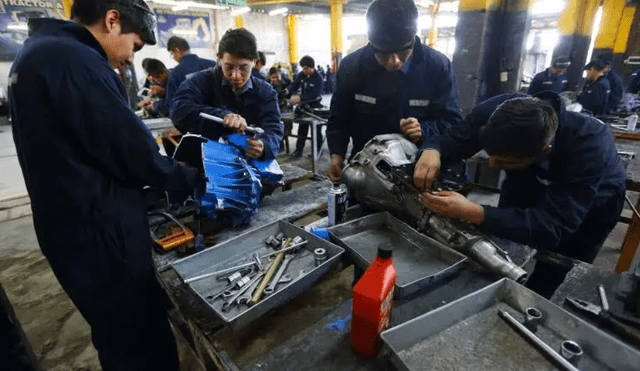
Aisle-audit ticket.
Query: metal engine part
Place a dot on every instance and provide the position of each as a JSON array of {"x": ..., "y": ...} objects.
[
  {"x": 381, "y": 177},
  {"x": 234, "y": 183}
]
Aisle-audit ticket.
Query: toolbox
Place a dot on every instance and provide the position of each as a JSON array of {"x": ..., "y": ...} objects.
[
  {"x": 420, "y": 260},
  {"x": 469, "y": 334},
  {"x": 303, "y": 270}
]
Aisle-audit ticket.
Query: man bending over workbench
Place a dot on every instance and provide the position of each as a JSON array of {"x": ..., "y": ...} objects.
[
  {"x": 565, "y": 185},
  {"x": 230, "y": 92}
]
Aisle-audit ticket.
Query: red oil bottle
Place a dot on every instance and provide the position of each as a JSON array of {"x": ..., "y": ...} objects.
[{"x": 372, "y": 303}]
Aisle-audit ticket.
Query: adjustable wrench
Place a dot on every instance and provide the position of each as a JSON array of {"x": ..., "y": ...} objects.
[{"x": 276, "y": 279}]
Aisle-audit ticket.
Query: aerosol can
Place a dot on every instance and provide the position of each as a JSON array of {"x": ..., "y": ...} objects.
[
  {"x": 372, "y": 304},
  {"x": 337, "y": 203}
]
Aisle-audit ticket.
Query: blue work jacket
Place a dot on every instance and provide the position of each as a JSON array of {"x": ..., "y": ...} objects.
[
  {"x": 547, "y": 80},
  {"x": 310, "y": 88},
  {"x": 594, "y": 96},
  {"x": 209, "y": 92},
  {"x": 189, "y": 64},
  {"x": 544, "y": 204},
  {"x": 257, "y": 74},
  {"x": 634, "y": 84},
  {"x": 85, "y": 155},
  {"x": 369, "y": 100},
  {"x": 615, "y": 85}
]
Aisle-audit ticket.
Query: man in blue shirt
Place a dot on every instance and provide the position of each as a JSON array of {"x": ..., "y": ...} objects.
[
  {"x": 392, "y": 85},
  {"x": 310, "y": 84},
  {"x": 565, "y": 184},
  {"x": 594, "y": 96},
  {"x": 261, "y": 61},
  {"x": 188, "y": 64},
  {"x": 86, "y": 157},
  {"x": 157, "y": 75},
  {"x": 553, "y": 78},
  {"x": 615, "y": 82},
  {"x": 231, "y": 93}
]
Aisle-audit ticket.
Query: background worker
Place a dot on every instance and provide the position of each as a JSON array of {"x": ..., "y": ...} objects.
[
  {"x": 594, "y": 96},
  {"x": 86, "y": 157},
  {"x": 565, "y": 184},
  {"x": 261, "y": 61},
  {"x": 310, "y": 83},
  {"x": 157, "y": 75},
  {"x": 553, "y": 78},
  {"x": 615, "y": 82},
  {"x": 394, "y": 84},
  {"x": 230, "y": 92}
]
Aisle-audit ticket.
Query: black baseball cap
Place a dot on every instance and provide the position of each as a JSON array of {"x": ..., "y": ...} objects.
[
  {"x": 392, "y": 24},
  {"x": 596, "y": 64},
  {"x": 142, "y": 18}
]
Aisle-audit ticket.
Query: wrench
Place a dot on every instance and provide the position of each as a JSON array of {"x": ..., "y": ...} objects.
[
  {"x": 226, "y": 306},
  {"x": 272, "y": 285},
  {"x": 244, "y": 298}
]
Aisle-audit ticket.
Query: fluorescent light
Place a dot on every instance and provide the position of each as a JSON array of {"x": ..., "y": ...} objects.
[
  {"x": 19, "y": 27},
  {"x": 178, "y": 8},
  {"x": 278, "y": 11},
  {"x": 184, "y": 32},
  {"x": 187, "y": 4},
  {"x": 239, "y": 11}
]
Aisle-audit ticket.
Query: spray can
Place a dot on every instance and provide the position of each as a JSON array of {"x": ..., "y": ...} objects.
[
  {"x": 372, "y": 304},
  {"x": 337, "y": 203}
]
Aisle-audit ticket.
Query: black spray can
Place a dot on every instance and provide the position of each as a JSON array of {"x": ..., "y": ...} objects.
[{"x": 337, "y": 203}]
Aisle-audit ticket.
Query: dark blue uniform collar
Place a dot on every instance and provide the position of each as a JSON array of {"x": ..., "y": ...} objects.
[
  {"x": 371, "y": 63},
  {"x": 50, "y": 26},
  {"x": 187, "y": 57}
]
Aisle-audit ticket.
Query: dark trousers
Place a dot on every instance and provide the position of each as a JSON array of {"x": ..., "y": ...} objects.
[
  {"x": 584, "y": 244},
  {"x": 107, "y": 273},
  {"x": 303, "y": 130}
]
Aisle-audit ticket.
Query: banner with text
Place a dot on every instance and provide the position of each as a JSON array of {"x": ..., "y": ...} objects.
[{"x": 193, "y": 26}]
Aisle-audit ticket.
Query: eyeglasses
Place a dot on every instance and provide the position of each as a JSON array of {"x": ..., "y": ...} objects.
[
  {"x": 242, "y": 69},
  {"x": 402, "y": 54}
]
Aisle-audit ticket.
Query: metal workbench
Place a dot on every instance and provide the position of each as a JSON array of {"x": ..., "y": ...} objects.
[{"x": 311, "y": 332}]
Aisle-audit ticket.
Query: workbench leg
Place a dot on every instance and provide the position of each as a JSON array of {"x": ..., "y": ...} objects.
[{"x": 630, "y": 244}]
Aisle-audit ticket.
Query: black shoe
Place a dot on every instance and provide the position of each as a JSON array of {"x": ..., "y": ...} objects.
[{"x": 296, "y": 154}]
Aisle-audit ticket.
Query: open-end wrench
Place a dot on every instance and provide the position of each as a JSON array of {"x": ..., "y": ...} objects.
[
  {"x": 244, "y": 298},
  {"x": 283, "y": 267},
  {"x": 226, "y": 306}
]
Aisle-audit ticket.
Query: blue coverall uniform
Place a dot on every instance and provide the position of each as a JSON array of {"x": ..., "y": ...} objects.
[
  {"x": 370, "y": 100},
  {"x": 209, "y": 92},
  {"x": 594, "y": 96},
  {"x": 615, "y": 95},
  {"x": 547, "y": 80},
  {"x": 86, "y": 157},
  {"x": 189, "y": 64},
  {"x": 311, "y": 95},
  {"x": 568, "y": 202},
  {"x": 257, "y": 74}
]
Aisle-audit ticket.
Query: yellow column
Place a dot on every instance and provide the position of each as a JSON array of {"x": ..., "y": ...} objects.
[
  {"x": 292, "y": 28},
  {"x": 433, "y": 32},
  {"x": 623, "y": 30},
  {"x": 578, "y": 16},
  {"x": 66, "y": 4},
  {"x": 336, "y": 26},
  {"x": 611, "y": 17},
  {"x": 239, "y": 21}
]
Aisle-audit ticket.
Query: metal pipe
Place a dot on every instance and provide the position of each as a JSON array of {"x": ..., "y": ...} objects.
[
  {"x": 566, "y": 365},
  {"x": 633, "y": 208}
]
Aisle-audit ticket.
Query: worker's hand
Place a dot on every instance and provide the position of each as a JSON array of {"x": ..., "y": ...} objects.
[
  {"x": 146, "y": 102},
  {"x": 255, "y": 148},
  {"x": 335, "y": 168},
  {"x": 453, "y": 205},
  {"x": 235, "y": 122},
  {"x": 295, "y": 99},
  {"x": 426, "y": 169},
  {"x": 410, "y": 127},
  {"x": 156, "y": 90}
]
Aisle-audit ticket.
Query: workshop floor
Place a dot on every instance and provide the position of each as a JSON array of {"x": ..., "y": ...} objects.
[{"x": 58, "y": 334}]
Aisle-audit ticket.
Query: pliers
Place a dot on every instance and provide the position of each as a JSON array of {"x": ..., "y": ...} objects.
[{"x": 620, "y": 325}]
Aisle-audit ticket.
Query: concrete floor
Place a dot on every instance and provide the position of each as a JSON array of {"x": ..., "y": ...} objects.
[{"x": 59, "y": 335}]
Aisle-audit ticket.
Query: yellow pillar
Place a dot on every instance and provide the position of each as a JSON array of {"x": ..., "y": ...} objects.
[
  {"x": 611, "y": 17},
  {"x": 336, "y": 29},
  {"x": 292, "y": 28},
  {"x": 623, "y": 30},
  {"x": 66, "y": 4},
  {"x": 578, "y": 16},
  {"x": 239, "y": 21},
  {"x": 433, "y": 32}
]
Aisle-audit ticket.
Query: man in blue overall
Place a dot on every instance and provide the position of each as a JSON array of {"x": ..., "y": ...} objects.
[
  {"x": 86, "y": 157},
  {"x": 615, "y": 82},
  {"x": 188, "y": 63},
  {"x": 594, "y": 96},
  {"x": 394, "y": 84},
  {"x": 261, "y": 61},
  {"x": 565, "y": 184},
  {"x": 553, "y": 78},
  {"x": 310, "y": 83},
  {"x": 231, "y": 93}
]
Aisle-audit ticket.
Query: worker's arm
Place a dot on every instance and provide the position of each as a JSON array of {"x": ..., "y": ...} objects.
[
  {"x": 342, "y": 110},
  {"x": 97, "y": 116},
  {"x": 161, "y": 106},
  {"x": 194, "y": 96},
  {"x": 270, "y": 121},
  {"x": 295, "y": 85}
]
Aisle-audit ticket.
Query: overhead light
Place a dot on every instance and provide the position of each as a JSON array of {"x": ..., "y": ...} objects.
[
  {"x": 178, "y": 8},
  {"x": 239, "y": 11},
  {"x": 184, "y": 32},
  {"x": 181, "y": 5},
  {"x": 19, "y": 27},
  {"x": 278, "y": 11}
]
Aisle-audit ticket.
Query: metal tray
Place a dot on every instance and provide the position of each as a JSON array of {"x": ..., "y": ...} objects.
[
  {"x": 419, "y": 260},
  {"x": 223, "y": 256},
  {"x": 468, "y": 334}
]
